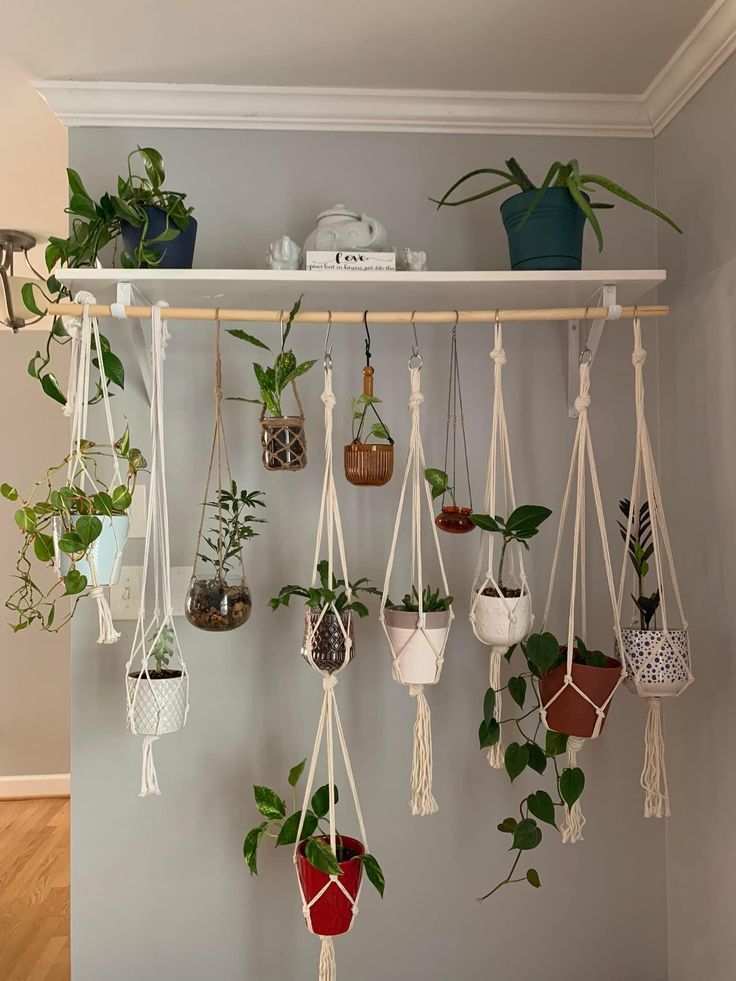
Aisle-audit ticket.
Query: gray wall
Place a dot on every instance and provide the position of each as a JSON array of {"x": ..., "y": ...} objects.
[
  {"x": 698, "y": 406},
  {"x": 161, "y": 882}
]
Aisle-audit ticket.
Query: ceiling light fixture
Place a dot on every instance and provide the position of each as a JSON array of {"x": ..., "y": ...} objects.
[{"x": 16, "y": 314}]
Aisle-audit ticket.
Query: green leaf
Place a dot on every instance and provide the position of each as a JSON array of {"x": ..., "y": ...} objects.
[
  {"x": 543, "y": 651},
  {"x": 319, "y": 854},
  {"x": 29, "y": 299},
  {"x": 51, "y": 387},
  {"x": 542, "y": 807},
  {"x": 489, "y": 705},
  {"x": 103, "y": 503},
  {"x": 537, "y": 758},
  {"x": 508, "y": 826},
  {"x": 241, "y": 335},
  {"x": 113, "y": 366},
  {"x": 154, "y": 164},
  {"x": 572, "y": 782},
  {"x": 555, "y": 743},
  {"x": 532, "y": 877},
  {"x": 8, "y": 492},
  {"x": 528, "y": 835},
  {"x": 250, "y": 846},
  {"x": 516, "y": 759},
  {"x": 122, "y": 446},
  {"x": 71, "y": 543},
  {"x": 620, "y": 192},
  {"x": 269, "y": 803},
  {"x": 88, "y": 528},
  {"x": 321, "y": 800},
  {"x": 76, "y": 185},
  {"x": 527, "y": 517},
  {"x": 74, "y": 582},
  {"x": 374, "y": 872},
  {"x": 82, "y": 206},
  {"x": 508, "y": 181},
  {"x": 287, "y": 835},
  {"x": 437, "y": 480},
  {"x": 301, "y": 369},
  {"x": 121, "y": 498},
  {"x": 489, "y": 733},
  {"x": 582, "y": 202},
  {"x": 485, "y": 522},
  {"x": 295, "y": 772},
  {"x": 25, "y": 518},
  {"x": 43, "y": 547},
  {"x": 517, "y": 690}
]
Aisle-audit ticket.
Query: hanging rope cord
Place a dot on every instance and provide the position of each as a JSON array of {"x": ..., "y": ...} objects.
[
  {"x": 455, "y": 406},
  {"x": 370, "y": 405},
  {"x": 156, "y": 562},
  {"x": 500, "y": 450},
  {"x": 220, "y": 462}
]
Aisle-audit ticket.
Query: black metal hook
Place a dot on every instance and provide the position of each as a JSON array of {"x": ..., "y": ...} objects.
[{"x": 367, "y": 339}]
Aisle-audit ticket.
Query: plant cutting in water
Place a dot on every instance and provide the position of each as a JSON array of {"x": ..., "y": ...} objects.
[
  {"x": 360, "y": 406},
  {"x": 315, "y": 831},
  {"x": 521, "y": 525},
  {"x": 439, "y": 484},
  {"x": 641, "y": 549}
]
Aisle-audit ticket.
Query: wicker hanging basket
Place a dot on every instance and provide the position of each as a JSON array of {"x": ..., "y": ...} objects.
[
  {"x": 284, "y": 440},
  {"x": 369, "y": 464}
]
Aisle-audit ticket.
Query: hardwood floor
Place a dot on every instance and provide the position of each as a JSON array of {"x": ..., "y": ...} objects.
[{"x": 34, "y": 890}]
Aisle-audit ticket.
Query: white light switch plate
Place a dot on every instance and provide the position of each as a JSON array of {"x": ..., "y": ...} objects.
[
  {"x": 125, "y": 596},
  {"x": 181, "y": 576}
]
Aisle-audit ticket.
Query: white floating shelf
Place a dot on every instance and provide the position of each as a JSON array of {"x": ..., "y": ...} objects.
[{"x": 263, "y": 289}]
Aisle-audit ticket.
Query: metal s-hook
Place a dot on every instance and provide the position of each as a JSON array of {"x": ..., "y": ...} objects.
[
  {"x": 328, "y": 346},
  {"x": 586, "y": 355},
  {"x": 367, "y": 339},
  {"x": 454, "y": 326},
  {"x": 415, "y": 361}
]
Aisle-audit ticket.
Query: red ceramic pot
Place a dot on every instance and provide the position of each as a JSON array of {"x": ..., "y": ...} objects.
[
  {"x": 332, "y": 914},
  {"x": 570, "y": 713},
  {"x": 454, "y": 520}
]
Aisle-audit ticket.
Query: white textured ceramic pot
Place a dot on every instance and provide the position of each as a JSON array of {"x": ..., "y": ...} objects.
[
  {"x": 660, "y": 668},
  {"x": 416, "y": 649},
  {"x": 105, "y": 553},
  {"x": 158, "y": 704},
  {"x": 502, "y": 622}
]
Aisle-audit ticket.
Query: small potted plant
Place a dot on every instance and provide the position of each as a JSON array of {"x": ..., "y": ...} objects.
[
  {"x": 328, "y": 605},
  {"x": 545, "y": 223},
  {"x": 369, "y": 464},
  {"x": 452, "y": 518},
  {"x": 656, "y": 665},
  {"x": 84, "y": 531},
  {"x": 417, "y": 645},
  {"x": 330, "y": 910},
  {"x": 157, "y": 693},
  {"x": 503, "y": 614},
  {"x": 222, "y": 601},
  {"x": 282, "y": 437}
]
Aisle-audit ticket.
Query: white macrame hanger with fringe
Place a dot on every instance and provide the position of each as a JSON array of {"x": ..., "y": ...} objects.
[
  {"x": 422, "y": 801},
  {"x": 583, "y": 460},
  {"x": 329, "y": 527},
  {"x": 499, "y": 452},
  {"x": 156, "y": 709},
  {"x": 647, "y": 670},
  {"x": 83, "y": 333}
]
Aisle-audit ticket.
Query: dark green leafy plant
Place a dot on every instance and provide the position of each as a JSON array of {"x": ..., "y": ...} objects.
[
  {"x": 360, "y": 406},
  {"x": 272, "y": 381},
  {"x": 566, "y": 175},
  {"x": 439, "y": 484},
  {"x": 328, "y": 593},
  {"x": 521, "y": 525},
  {"x": 315, "y": 832},
  {"x": 76, "y": 514},
  {"x": 432, "y": 602},
  {"x": 228, "y": 533},
  {"x": 641, "y": 549}
]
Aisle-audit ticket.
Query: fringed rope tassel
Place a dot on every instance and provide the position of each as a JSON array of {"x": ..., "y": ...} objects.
[
  {"x": 149, "y": 780},
  {"x": 654, "y": 774},
  {"x": 327, "y": 962},
  {"x": 422, "y": 801},
  {"x": 496, "y": 752},
  {"x": 108, "y": 634},
  {"x": 572, "y": 827}
]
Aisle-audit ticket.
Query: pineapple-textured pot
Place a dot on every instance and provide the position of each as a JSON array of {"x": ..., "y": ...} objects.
[
  {"x": 502, "y": 622},
  {"x": 415, "y": 651},
  {"x": 570, "y": 713},
  {"x": 656, "y": 668},
  {"x": 369, "y": 464},
  {"x": 284, "y": 443},
  {"x": 158, "y": 702},
  {"x": 326, "y": 639},
  {"x": 331, "y": 914}
]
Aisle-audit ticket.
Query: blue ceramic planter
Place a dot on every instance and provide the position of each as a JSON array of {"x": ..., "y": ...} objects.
[
  {"x": 552, "y": 236},
  {"x": 104, "y": 552},
  {"x": 176, "y": 254}
]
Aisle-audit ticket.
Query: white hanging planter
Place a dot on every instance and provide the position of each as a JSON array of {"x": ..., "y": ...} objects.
[
  {"x": 104, "y": 555},
  {"x": 502, "y": 621},
  {"x": 416, "y": 660},
  {"x": 657, "y": 661},
  {"x": 157, "y": 705}
]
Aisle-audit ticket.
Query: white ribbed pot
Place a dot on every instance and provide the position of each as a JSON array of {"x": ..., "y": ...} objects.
[
  {"x": 663, "y": 673},
  {"x": 158, "y": 705},
  {"x": 416, "y": 649},
  {"x": 503, "y": 621},
  {"x": 105, "y": 552}
]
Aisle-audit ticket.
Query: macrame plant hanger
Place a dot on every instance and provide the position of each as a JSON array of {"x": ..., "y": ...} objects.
[
  {"x": 496, "y": 619},
  {"x": 329, "y": 528},
  {"x": 157, "y": 700},
  {"x": 83, "y": 334},
  {"x": 417, "y": 641},
  {"x": 455, "y": 518},
  {"x": 562, "y": 691},
  {"x": 657, "y": 660}
]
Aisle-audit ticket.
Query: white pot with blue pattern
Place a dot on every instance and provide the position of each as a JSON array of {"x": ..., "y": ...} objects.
[
  {"x": 656, "y": 665},
  {"x": 105, "y": 552}
]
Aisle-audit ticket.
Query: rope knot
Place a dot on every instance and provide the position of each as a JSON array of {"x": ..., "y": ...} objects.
[
  {"x": 329, "y": 400},
  {"x": 416, "y": 690},
  {"x": 582, "y": 402},
  {"x": 97, "y": 591},
  {"x": 498, "y": 355},
  {"x": 415, "y": 400},
  {"x": 329, "y": 682},
  {"x": 638, "y": 357}
]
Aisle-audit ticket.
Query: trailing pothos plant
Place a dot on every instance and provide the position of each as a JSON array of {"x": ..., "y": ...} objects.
[
  {"x": 94, "y": 225},
  {"x": 379, "y": 429},
  {"x": 439, "y": 484},
  {"x": 283, "y": 827},
  {"x": 432, "y": 601},
  {"x": 232, "y": 526},
  {"x": 641, "y": 549},
  {"x": 565, "y": 175},
  {"x": 273, "y": 380},
  {"x": 75, "y": 514},
  {"x": 521, "y": 525},
  {"x": 529, "y": 751},
  {"x": 328, "y": 593}
]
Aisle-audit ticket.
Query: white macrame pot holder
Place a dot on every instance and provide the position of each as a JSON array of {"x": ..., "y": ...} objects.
[
  {"x": 156, "y": 706},
  {"x": 424, "y": 639},
  {"x": 102, "y": 561},
  {"x": 499, "y": 621},
  {"x": 657, "y": 660},
  {"x": 329, "y": 534},
  {"x": 583, "y": 461}
]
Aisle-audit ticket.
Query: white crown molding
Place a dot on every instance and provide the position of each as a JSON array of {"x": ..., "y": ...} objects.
[
  {"x": 405, "y": 110},
  {"x": 35, "y": 785}
]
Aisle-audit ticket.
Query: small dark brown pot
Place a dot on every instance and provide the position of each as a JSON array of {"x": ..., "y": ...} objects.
[
  {"x": 218, "y": 604},
  {"x": 327, "y": 640},
  {"x": 284, "y": 443},
  {"x": 570, "y": 713},
  {"x": 369, "y": 464},
  {"x": 454, "y": 520}
]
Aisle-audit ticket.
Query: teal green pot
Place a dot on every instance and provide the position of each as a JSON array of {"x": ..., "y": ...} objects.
[{"x": 552, "y": 236}]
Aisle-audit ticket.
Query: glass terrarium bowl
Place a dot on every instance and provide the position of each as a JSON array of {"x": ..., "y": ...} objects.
[{"x": 218, "y": 604}]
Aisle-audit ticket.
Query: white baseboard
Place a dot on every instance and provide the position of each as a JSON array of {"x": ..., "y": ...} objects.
[{"x": 35, "y": 785}]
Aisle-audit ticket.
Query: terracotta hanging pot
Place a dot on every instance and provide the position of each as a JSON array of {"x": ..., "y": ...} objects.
[
  {"x": 415, "y": 649},
  {"x": 369, "y": 464},
  {"x": 218, "y": 604},
  {"x": 327, "y": 639},
  {"x": 656, "y": 669},
  {"x": 331, "y": 914},
  {"x": 570, "y": 713},
  {"x": 493, "y": 617},
  {"x": 454, "y": 520}
]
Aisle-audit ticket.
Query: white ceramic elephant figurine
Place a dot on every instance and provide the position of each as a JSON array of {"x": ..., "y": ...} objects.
[{"x": 284, "y": 253}]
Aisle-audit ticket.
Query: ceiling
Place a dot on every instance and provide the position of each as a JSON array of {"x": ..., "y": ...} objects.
[{"x": 571, "y": 46}]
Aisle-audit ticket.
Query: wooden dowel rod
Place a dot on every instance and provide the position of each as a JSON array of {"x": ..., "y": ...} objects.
[{"x": 374, "y": 317}]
